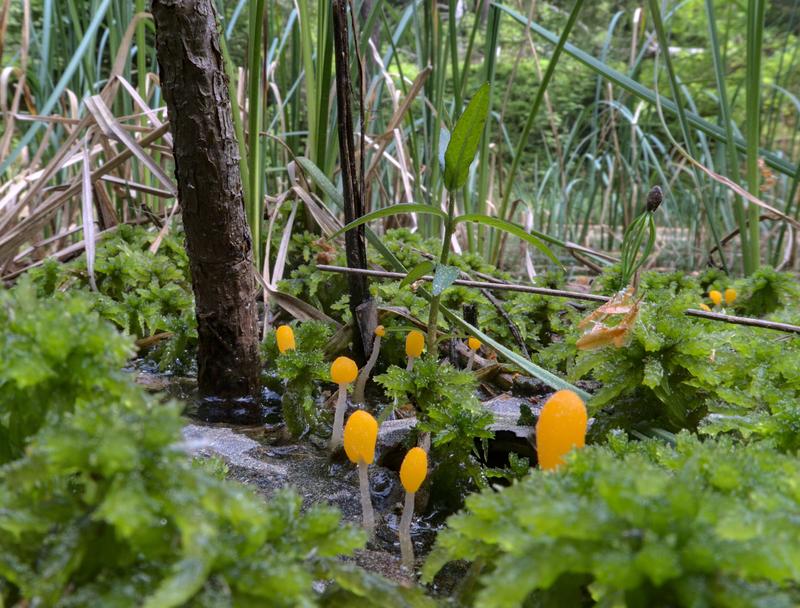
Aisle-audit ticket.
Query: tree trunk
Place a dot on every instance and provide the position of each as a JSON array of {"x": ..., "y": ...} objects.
[{"x": 210, "y": 193}]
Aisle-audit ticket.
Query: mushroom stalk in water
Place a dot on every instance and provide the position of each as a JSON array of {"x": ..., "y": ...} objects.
[
  {"x": 343, "y": 372},
  {"x": 412, "y": 473},
  {"x": 415, "y": 342},
  {"x": 360, "y": 435},
  {"x": 363, "y": 376}
]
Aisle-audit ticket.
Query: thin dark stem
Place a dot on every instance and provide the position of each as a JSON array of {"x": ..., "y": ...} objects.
[{"x": 355, "y": 247}]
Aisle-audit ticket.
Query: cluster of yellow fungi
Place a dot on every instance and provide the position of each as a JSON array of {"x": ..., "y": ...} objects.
[{"x": 717, "y": 297}]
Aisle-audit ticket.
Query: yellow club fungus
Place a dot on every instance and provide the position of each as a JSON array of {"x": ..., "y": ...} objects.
[
  {"x": 474, "y": 344},
  {"x": 715, "y": 296},
  {"x": 363, "y": 376},
  {"x": 412, "y": 473},
  {"x": 415, "y": 342},
  {"x": 705, "y": 307},
  {"x": 343, "y": 371},
  {"x": 561, "y": 427},
  {"x": 360, "y": 435},
  {"x": 730, "y": 296},
  {"x": 285, "y": 337}
]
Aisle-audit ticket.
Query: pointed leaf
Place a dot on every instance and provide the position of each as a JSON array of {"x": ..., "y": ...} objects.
[
  {"x": 444, "y": 277},
  {"x": 420, "y": 270},
  {"x": 465, "y": 139},
  {"x": 514, "y": 229},
  {"x": 386, "y": 212}
]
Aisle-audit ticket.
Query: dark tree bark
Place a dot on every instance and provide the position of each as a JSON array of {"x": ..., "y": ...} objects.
[
  {"x": 352, "y": 176},
  {"x": 210, "y": 193}
]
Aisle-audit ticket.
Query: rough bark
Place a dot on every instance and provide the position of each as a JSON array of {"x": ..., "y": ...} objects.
[
  {"x": 352, "y": 174},
  {"x": 218, "y": 241}
]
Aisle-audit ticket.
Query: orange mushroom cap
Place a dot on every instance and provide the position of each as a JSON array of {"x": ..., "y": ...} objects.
[
  {"x": 561, "y": 427},
  {"x": 360, "y": 435},
  {"x": 730, "y": 295},
  {"x": 473, "y": 343},
  {"x": 715, "y": 296},
  {"x": 344, "y": 370},
  {"x": 380, "y": 330},
  {"x": 414, "y": 469},
  {"x": 415, "y": 342},
  {"x": 285, "y": 337}
]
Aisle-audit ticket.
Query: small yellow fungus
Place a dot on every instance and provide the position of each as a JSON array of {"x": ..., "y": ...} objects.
[
  {"x": 705, "y": 307},
  {"x": 715, "y": 296},
  {"x": 285, "y": 337},
  {"x": 380, "y": 331},
  {"x": 415, "y": 342},
  {"x": 414, "y": 469},
  {"x": 343, "y": 370},
  {"x": 473, "y": 343},
  {"x": 730, "y": 296},
  {"x": 561, "y": 427},
  {"x": 360, "y": 435},
  {"x": 412, "y": 474}
]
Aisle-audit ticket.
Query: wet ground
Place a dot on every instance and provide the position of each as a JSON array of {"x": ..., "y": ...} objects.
[{"x": 262, "y": 457}]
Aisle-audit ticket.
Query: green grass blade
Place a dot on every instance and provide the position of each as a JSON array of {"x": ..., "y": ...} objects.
[{"x": 642, "y": 92}]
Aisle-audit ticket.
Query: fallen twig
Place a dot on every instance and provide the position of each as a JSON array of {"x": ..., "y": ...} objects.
[{"x": 575, "y": 295}]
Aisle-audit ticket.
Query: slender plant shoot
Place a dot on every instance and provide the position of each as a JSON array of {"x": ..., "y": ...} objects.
[{"x": 363, "y": 375}]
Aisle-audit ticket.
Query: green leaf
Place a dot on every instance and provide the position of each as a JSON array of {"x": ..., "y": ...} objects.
[
  {"x": 444, "y": 277},
  {"x": 444, "y": 141},
  {"x": 605, "y": 71},
  {"x": 516, "y": 230},
  {"x": 420, "y": 270},
  {"x": 188, "y": 577},
  {"x": 388, "y": 211},
  {"x": 465, "y": 139},
  {"x": 321, "y": 180}
]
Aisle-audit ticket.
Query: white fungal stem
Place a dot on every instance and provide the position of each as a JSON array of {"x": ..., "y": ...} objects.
[
  {"x": 363, "y": 376},
  {"x": 338, "y": 418},
  {"x": 406, "y": 546},
  {"x": 367, "y": 515},
  {"x": 471, "y": 360},
  {"x": 425, "y": 442},
  {"x": 410, "y": 363}
]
